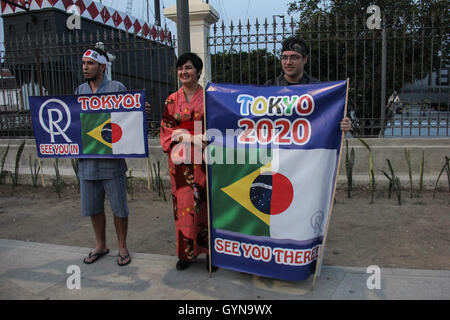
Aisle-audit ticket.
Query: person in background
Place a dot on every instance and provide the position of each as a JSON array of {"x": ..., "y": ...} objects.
[{"x": 294, "y": 56}]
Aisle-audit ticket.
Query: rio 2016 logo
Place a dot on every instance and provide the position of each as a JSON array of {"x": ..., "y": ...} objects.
[{"x": 55, "y": 111}]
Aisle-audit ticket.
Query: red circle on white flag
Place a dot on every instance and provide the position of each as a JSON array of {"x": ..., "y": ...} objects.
[{"x": 116, "y": 132}]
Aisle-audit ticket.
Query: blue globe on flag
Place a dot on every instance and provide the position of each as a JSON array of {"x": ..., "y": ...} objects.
[{"x": 271, "y": 193}]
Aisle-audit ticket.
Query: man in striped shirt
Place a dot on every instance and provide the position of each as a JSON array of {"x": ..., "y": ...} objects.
[{"x": 100, "y": 176}]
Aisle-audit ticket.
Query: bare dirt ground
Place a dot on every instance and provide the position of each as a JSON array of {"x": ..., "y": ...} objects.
[{"x": 413, "y": 235}]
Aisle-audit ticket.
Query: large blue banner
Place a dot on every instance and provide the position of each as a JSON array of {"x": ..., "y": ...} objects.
[
  {"x": 272, "y": 167},
  {"x": 110, "y": 125}
]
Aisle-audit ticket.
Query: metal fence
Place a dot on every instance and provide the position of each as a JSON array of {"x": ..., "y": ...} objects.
[
  {"x": 50, "y": 64},
  {"x": 399, "y": 75}
]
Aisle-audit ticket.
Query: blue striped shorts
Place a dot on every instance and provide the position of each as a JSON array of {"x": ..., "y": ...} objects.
[{"x": 93, "y": 196}]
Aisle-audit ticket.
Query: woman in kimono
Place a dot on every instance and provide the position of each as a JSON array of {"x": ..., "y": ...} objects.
[{"x": 182, "y": 111}]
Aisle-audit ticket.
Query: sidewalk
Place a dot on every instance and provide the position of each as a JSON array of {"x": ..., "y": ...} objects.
[{"x": 38, "y": 271}]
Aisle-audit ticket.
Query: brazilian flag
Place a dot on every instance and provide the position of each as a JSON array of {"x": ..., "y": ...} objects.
[
  {"x": 284, "y": 195},
  {"x": 230, "y": 193},
  {"x": 95, "y": 129}
]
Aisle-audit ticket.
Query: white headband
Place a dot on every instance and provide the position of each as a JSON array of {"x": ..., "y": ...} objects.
[{"x": 94, "y": 55}]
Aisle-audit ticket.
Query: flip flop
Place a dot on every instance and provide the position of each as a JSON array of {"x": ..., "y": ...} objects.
[
  {"x": 95, "y": 256},
  {"x": 123, "y": 258}
]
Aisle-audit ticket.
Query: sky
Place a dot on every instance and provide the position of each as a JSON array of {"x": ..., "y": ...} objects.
[{"x": 228, "y": 10}]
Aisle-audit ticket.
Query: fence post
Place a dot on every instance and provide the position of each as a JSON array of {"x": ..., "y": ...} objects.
[
  {"x": 38, "y": 65},
  {"x": 183, "y": 26},
  {"x": 179, "y": 14},
  {"x": 383, "y": 77}
]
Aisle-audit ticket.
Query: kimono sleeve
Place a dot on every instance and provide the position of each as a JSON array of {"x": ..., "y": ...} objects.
[{"x": 168, "y": 125}]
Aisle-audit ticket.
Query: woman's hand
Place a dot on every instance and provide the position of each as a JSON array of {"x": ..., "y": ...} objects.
[
  {"x": 199, "y": 140},
  {"x": 181, "y": 135}
]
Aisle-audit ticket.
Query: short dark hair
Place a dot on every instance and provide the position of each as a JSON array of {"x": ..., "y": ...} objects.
[
  {"x": 295, "y": 44},
  {"x": 195, "y": 59},
  {"x": 102, "y": 52}
]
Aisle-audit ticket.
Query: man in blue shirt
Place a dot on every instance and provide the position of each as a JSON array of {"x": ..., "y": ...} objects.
[{"x": 100, "y": 176}]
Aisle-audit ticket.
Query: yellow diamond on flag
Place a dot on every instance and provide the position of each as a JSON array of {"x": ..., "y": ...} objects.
[
  {"x": 96, "y": 133},
  {"x": 239, "y": 191}
]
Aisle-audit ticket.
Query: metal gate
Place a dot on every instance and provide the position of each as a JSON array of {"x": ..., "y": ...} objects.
[
  {"x": 399, "y": 75},
  {"x": 50, "y": 64}
]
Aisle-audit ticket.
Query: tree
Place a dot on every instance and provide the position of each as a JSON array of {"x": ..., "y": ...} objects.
[
  {"x": 341, "y": 46},
  {"x": 255, "y": 67}
]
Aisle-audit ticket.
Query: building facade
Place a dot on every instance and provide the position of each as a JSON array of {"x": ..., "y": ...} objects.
[{"x": 43, "y": 49}]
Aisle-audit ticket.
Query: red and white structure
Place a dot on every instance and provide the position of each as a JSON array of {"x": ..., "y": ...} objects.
[{"x": 97, "y": 12}]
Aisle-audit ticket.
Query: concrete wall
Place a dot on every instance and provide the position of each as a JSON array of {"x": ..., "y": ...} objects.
[
  {"x": 394, "y": 149},
  {"x": 382, "y": 149},
  {"x": 139, "y": 166}
]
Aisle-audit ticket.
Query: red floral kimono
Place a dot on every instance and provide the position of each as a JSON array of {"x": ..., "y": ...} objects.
[{"x": 188, "y": 181}]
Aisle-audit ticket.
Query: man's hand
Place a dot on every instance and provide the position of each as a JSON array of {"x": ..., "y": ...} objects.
[
  {"x": 147, "y": 108},
  {"x": 346, "y": 124}
]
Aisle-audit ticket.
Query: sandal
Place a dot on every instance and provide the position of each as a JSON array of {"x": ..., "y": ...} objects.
[
  {"x": 95, "y": 256},
  {"x": 121, "y": 258},
  {"x": 181, "y": 265}
]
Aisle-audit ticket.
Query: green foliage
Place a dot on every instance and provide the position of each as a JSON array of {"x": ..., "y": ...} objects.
[
  {"x": 57, "y": 181},
  {"x": 371, "y": 170},
  {"x": 416, "y": 33},
  {"x": 446, "y": 167},
  {"x": 422, "y": 165},
  {"x": 74, "y": 162},
  {"x": 160, "y": 184},
  {"x": 309, "y": 8},
  {"x": 157, "y": 183},
  {"x": 4, "y": 173},
  {"x": 15, "y": 177},
  {"x": 408, "y": 162},
  {"x": 34, "y": 170},
  {"x": 349, "y": 163},
  {"x": 394, "y": 183},
  {"x": 245, "y": 68}
]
